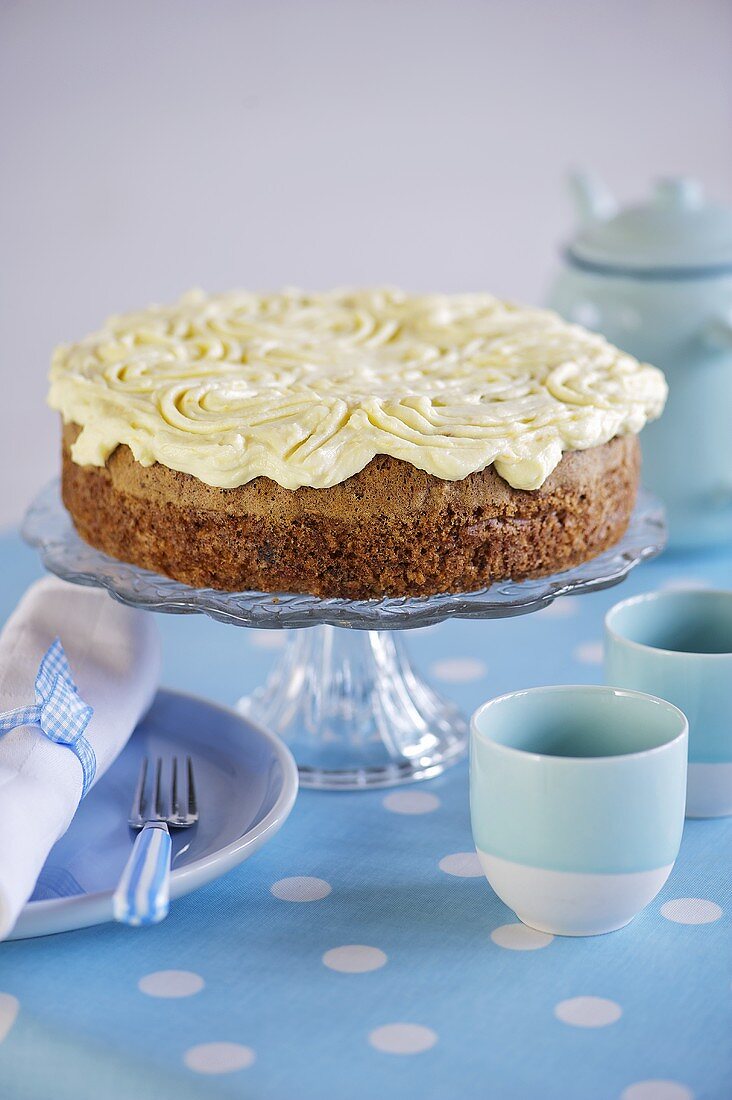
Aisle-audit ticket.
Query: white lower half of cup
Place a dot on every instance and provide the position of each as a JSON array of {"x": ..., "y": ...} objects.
[
  {"x": 709, "y": 790},
  {"x": 570, "y": 903}
]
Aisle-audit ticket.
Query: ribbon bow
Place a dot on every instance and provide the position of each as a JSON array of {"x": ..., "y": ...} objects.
[{"x": 59, "y": 711}]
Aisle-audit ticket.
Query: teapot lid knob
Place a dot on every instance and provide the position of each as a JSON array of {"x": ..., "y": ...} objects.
[{"x": 678, "y": 193}]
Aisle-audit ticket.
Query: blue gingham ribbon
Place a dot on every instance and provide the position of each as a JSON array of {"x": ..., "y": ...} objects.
[{"x": 59, "y": 711}]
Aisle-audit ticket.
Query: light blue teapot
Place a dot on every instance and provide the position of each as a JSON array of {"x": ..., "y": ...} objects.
[{"x": 656, "y": 280}]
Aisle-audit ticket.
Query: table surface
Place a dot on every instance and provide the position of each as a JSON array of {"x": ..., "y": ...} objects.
[{"x": 397, "y": 972}]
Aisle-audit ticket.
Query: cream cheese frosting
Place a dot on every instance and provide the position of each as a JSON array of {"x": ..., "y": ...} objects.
[{"x": 306, "y": 389}]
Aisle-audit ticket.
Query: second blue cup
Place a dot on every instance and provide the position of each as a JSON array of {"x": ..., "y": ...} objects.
[{"x": 678, "y": 645}]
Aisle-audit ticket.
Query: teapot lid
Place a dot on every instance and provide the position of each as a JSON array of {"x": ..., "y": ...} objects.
[{"x": 674, "y": 233}]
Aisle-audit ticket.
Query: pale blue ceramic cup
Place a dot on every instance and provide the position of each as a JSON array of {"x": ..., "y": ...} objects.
[
  {"x": 678, "y": 645},
  {"x": 577, "y": 803}
]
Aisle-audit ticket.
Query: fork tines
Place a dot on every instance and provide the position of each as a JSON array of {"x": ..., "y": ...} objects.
[{"x": 179, "y": 809}]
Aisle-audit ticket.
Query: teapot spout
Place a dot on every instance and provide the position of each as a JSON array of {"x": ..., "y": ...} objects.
[{"x": 592, "y": 199}]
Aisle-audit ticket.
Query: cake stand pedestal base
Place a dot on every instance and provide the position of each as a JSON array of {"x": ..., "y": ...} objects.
[{"x": 354, "y": 712}]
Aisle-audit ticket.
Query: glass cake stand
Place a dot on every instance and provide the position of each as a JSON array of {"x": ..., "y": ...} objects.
[{"x": 347, "y": 701}]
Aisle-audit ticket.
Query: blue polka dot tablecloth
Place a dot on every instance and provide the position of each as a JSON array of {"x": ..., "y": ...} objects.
[{"x": 361, "y": 954}]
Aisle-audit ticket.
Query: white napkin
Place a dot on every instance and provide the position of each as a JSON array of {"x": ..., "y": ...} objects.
[{"x": 114, "y": 655}]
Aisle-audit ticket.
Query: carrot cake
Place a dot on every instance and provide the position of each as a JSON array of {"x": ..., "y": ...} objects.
[{"x": 351, "y": 443}]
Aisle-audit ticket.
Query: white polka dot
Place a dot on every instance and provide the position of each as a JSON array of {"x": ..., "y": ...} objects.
[
  {"x": 403, "y": 1038},
  {"x": 657, "y": 1089},
  {"x": 561, "y": 608},
  {"x": 268, "y": 639},
  {"x": 462, "y": 865},
  {"x": 588, "y": 1012},
  {"x": 589, "y": 653},
  {"x": 354, "y": 958},
  {"x": 218, "y": 1057},
  {"x": 411, "y": 802},
  {"x": 459, "y": 670},
  {"x": 301, "y": 888},
  {"x": 519, "y": 937},
  {"x": 9, "y": 1007},
  {"x": 171, "y": 983},
  {"x": 681, "y": 584},
  {"x": 691, "y": 911}
]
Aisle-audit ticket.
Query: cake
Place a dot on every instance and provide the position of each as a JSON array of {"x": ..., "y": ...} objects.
[{"x": 350, "y": 444}]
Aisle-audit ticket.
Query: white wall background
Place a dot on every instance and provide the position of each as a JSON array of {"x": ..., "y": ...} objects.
[{"x": 150, "y": 145}]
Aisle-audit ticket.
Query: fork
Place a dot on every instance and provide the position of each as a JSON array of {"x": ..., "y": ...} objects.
[{"x": 143, "y": 891}]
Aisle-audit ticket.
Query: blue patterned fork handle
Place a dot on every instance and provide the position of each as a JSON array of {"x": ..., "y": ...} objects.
[{"x": 143, "y": 892}]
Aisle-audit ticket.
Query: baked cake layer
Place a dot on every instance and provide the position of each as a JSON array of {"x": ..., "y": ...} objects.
[{"x": 390, "y": 529}]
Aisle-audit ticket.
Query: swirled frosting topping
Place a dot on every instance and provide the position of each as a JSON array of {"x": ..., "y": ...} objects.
[{"x": 306, "y": 389}]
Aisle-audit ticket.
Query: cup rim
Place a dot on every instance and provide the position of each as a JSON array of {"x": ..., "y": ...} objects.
[
  {"x": 591, "y": 689},
  {"x": 655, "y": 596}
]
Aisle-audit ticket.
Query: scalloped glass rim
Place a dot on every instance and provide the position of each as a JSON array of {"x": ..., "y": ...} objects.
[{"x": 48, "y": 527}]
